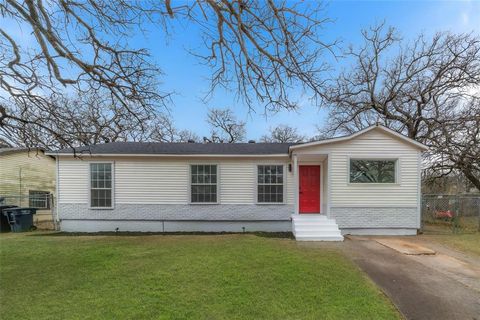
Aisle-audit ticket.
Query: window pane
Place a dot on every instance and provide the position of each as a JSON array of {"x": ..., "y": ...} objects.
[
  {"x": 204, "y": 180},
  {"x": 372, "y": 171},
  {"x": 270, "y": 184},
  {"x": 101, "y": 185}
]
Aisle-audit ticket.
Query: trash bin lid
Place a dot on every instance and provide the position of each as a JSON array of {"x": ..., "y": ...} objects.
[{"x": 17, "y": 210}]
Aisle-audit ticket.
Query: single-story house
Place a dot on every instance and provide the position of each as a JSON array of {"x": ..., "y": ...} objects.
[
  {"x": 27, "y": 179},
  {"x": 364, "y": 183}
]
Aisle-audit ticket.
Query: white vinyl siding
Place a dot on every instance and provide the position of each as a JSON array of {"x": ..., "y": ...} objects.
[
  {"x": 73, "y": 184},
  {"x": 151, "y": 181},
  {"x": 373, "y": 144},
  {"x": 160, "y": 181}
]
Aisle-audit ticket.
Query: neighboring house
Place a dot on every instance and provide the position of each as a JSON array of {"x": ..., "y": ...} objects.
[
  {"x": 27, "y": 179},
  {"x": 365, "y": 183}
]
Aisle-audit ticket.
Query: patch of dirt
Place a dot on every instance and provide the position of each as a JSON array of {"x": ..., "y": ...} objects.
[{"x": 405, "y": 247}]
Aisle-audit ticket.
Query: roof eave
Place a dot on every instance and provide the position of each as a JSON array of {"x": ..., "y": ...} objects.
[
  {"x": 169, "y": 155},
  {"x": 356, "y": 134}
]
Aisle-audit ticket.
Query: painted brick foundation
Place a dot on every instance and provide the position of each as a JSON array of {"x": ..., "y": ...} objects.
[
  {"x": 178, "y": 212},
  {"x": 375, "y": 217}
]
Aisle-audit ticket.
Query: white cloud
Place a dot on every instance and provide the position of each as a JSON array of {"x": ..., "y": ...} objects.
[{"x": 465, "y": 18}]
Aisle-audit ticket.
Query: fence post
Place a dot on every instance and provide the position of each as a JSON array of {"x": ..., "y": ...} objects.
[{"x": 456, "y": 214}]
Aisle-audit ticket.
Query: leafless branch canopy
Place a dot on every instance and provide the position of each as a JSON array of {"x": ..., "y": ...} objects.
[
  {"x": 262, "y": 49},
  {"x": 427, "y": 89},
  {"x": 259, "y": 49},
  {"x": 283, "y": 134},
  {"x": 225, "y": 127}
]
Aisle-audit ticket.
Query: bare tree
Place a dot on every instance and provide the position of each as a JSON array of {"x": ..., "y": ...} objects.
[
  {"x": 225, "y": 127},
  {"x": 84, "y": 120},
  {"x": 164, "y": 130},
  {"x": 187, "y": 136},
  {"x": 283, "y": 134},
  {"x": 420, "y": 90},
  {"x": 260, "y": 49},
  {"x": 455, "y": 145}
]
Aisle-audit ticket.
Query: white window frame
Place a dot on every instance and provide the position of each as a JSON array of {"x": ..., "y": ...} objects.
[
  {"x": 112, "y": 163},
  {"x": 396, "y": 174},
  {"x": 190, "y": 165},
  {"x": 284, "y": 183},
  {"x": 46, "y": 195}
]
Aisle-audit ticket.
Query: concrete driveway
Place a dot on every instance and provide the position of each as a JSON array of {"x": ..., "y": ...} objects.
[{"x": 441, "y": 286}]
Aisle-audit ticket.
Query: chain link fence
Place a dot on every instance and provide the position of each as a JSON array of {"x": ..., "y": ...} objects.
[{"x": 446, "y": 213}]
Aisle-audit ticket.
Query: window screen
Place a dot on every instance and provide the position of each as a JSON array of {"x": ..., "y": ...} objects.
[
  {"x": 372, "y": 171},
  {"x": 203, "y": 183},
  {"x": 270, "y": 184},
  {"x": 101, "y": 185}
]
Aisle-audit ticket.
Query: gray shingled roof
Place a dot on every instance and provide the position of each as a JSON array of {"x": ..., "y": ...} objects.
[{"x": 181, "y": 148}]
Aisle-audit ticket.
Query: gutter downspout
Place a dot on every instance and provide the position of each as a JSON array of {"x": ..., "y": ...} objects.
[{"x": 57, "y": 187}]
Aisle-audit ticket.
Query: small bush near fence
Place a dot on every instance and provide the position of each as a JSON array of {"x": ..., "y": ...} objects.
[{"x": 451, "y": 213}]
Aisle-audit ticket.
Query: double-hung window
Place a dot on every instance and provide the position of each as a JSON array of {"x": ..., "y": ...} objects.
[
  {"x": 373, "y": 171},
  {"x": 101, "y": 182},
  {"x": 270, "y": 184},
  {"x": 203, "y": 183}
]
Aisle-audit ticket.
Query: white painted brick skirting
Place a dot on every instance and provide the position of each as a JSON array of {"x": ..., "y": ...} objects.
[
  {"x": 375, "y": 217},
  {"x": 178, "y": 212}
]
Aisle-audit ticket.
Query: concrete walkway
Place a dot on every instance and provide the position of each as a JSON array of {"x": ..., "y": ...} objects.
[{"x": 421, "y": 286}]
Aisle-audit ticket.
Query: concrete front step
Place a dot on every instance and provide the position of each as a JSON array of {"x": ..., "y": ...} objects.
[
  {"x": 309, "y": 217},
  {"x": 318, "y": 229},
  {"x": 318, "y": 232},
  {"x": 315, "y": 228},
  {"x": 318, "y": 238},
  {"x": 316, "y": 223}
]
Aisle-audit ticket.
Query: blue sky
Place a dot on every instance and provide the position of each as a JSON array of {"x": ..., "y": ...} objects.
[{"x": 188, "y": 79}]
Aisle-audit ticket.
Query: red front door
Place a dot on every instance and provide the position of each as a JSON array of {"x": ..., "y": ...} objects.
[{"x": 309, "y": 189}]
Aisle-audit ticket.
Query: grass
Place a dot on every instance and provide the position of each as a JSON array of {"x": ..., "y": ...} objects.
[
  {"x": 468, "y": 243},
  {"x": 181, "y": 277},
  {"x": 468, "y": 224}
]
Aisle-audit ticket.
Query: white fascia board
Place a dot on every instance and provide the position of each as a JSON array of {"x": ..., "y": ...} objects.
[{"x": 356, "y": 134}]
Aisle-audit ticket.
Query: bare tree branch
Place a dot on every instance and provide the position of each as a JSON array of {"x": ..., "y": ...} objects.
[
  {"x": 423, "y": 90},
  {"x": 262, "y": 50},
  {"x": 225, "y": 127},
  {"x": 283, "y": 134}
]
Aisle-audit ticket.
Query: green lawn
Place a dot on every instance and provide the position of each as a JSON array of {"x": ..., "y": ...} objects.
[
  {"x": 468, "y": 243},
  {"x": 181, "y": 277},
  {"x": 465, "y": 239}
]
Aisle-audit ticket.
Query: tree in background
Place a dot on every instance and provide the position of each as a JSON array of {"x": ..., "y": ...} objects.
[
  {"x": 261, "y": 50},
  {"x": 225, "y": 127},
  {"x": 187, "y": 136},
  {"x": 424, "y": 89},
  {"x": 455, "y": 145},
  {"x": 283, "y": 134}
]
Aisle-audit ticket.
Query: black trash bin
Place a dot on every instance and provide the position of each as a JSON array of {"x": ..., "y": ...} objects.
[
  {"x": 20, "y": 219},
  {"x": 4, "y": 225}
]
